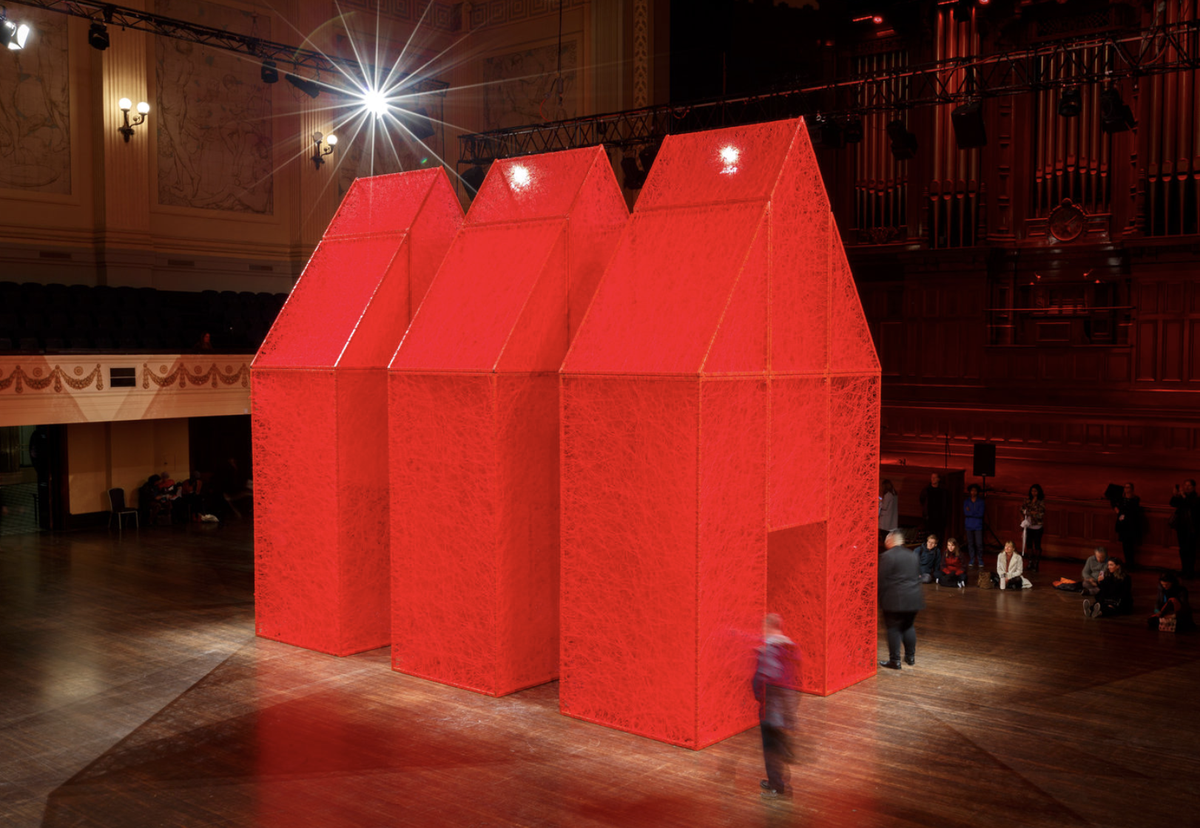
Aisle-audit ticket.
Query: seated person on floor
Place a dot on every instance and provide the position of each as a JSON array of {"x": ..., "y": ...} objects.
[
  {"x": 1172, "y": 603},
  {"x": 928, "y": 556},
  {"x": 1093, "y": 571},
  {"x": 1009, "y": 566},
  {"x": 1116, "y": 593},
  {"x": 952, "y": 569}
]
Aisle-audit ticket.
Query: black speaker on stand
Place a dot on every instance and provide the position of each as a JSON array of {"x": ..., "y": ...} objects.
[{"x": 985, "y": 460}]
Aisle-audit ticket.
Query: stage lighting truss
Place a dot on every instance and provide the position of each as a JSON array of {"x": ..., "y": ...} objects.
[{"x": 1096, "y": 59}]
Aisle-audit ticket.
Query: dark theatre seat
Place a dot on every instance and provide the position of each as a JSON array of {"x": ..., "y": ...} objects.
[{"x": 38, "y": 318}]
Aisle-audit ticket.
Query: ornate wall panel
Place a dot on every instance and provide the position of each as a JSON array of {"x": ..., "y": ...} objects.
[
  {"x": 519, "y": 87},
  {"x": 213, "y": 116},
  {"x": 35, "y": 109}
]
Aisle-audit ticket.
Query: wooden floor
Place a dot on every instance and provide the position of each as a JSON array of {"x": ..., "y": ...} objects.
[{"x": 134, "y": 693}]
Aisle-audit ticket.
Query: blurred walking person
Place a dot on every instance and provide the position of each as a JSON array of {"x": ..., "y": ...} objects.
[{"x": 775, "y": 679}]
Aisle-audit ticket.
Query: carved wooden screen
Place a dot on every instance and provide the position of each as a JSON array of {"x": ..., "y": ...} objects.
[
  {"x": 1170, "y": 118},
  {"x": 1071, "y": 155},
  {"x": 954, "y": 195},
  {"x": 880, "y": 181}
]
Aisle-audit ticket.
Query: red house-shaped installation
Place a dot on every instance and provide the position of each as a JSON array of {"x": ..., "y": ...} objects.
[
  {"x": 320, "y": 414},
  {"x": 719, "y": 446},
  {"x": 473, "y": 408}
]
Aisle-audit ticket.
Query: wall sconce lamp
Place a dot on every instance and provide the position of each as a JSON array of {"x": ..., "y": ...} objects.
[
  {"x": 318, "y": 156},
  {"x": 125, "y": 105}
]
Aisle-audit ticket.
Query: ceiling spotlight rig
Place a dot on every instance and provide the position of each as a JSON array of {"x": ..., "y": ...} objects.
[
  {"x": 329, "y": 141},
  {"x": 12, "y": 34},
  {"x": 98, "y": 36},
  {"x": 308, "y": 87}
]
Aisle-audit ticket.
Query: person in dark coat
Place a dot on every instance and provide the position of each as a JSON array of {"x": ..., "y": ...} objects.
[
  {"x": 935, "y": 506},
  {"x": 1129, "y": 522},
  {"x": 774, "y": 688},
  {"x": 1187, "y": 525},
  {"x": 900, "y": 598}
]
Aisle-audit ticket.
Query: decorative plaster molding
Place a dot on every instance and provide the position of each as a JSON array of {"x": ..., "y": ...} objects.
[
  {"x": 38, "y": 380},
  {"x": 197, "y": 376},
  {"x": 641, "y": 53}
]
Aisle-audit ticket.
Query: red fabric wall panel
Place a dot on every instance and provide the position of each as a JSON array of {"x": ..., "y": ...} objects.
[
  {"x": 853, "y": 528},
  {"x": 444, "y": 493},
  {"x": 527, "y": 529},
  {"x": 731, "y": 559},
  {"x": 328, "y": 589},
  {"x": 629, "y": 532},
  {"x": 796, "y": 589},
  {"x": 296, "y": 589},
  {"x": 362, "y": 498}
]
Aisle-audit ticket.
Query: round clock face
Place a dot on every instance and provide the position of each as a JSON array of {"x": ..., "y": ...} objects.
[{"x": 1066, "y": 223}]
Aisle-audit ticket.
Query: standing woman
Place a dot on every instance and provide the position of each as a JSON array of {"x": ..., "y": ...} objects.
[
  {"x": 1034, "y": 510},
  {"x": 1129, "y": 522},
  {"x": 889, "y": 509}
]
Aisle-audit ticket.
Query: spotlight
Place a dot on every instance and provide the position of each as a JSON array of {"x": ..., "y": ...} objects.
[
  {"x": 13, "y": 35},
  {"x": 374, "y": 102},
  {"x": 303, "y": 84},
  {"x": 473, "y": 178},
  {"x": 832, "y": 135},
  {"x": 269, "y": 72},
  {"x": 904, "y": 143},
  {"x": 1070, "y": 103},
  {"x": 1115, "y": 114},
  {"x": 98, "y": 36},
  {"x": 854, "y": 130},
  {"x": 418, "y": 123},
  {"x": 969, "y": 129},
  {"x": 519, "y": 176}
]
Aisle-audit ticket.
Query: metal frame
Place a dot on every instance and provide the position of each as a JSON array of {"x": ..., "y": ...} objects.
[
  {"x": 255, "y": 47},
  {"x": 1093, "y": 59}
]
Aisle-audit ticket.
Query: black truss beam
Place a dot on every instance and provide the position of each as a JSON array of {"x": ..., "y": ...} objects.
[
  {"x": 255, "y": 47},
  {"x": 1097, "y": 59}
]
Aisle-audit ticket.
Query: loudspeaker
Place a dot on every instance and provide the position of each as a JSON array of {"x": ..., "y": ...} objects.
[
  {"x": 1114, "y": 492},
  {"x": 985, "y": 460}
]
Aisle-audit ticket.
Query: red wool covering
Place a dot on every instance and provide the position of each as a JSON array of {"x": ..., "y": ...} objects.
[
  {"x": 320, "y": 414},
  {"x": 720, "y": 445},
  {"x": 473, "y": 421}
]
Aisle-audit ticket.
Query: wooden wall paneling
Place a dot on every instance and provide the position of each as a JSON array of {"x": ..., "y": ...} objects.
[
  {"x": 1193, "y": 350},
  {"x": 1147, "y": 350},
  {"x": 1118, "y": 365},
  {"x": 891, "y": 348},
  {"x": 1172, "y": 350},
  {"x": 1087, "y": 367}
]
